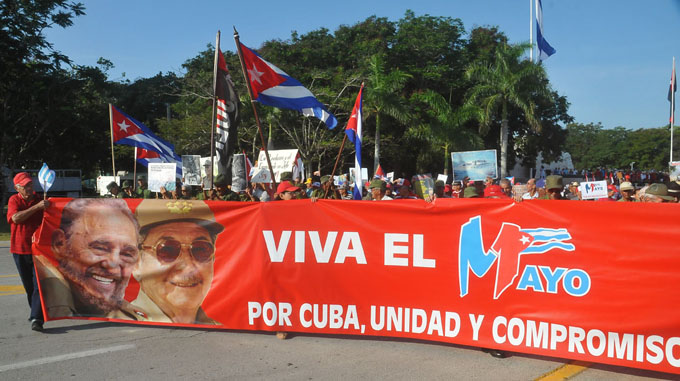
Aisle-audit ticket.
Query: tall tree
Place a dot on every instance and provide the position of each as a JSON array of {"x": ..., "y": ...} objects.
[
  {"x": 506, "y": 82},
  {"x": 29, "y": 74},
  {"x": 384, "y": 98},
  {"x": 442, "y": 126}
]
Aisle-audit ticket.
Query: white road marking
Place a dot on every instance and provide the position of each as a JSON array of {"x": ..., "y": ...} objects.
[{"x": 69, "y": 356}]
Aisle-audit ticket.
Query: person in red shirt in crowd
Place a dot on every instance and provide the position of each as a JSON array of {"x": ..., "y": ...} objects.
[
  {"x": 494, "y": 191},
  {"x": 24, "y": 215},
  {"x": 457, "y": 191},
  {"x": 286, "y": 191},
  {"x": 611, "y": 193},
  {"x": 447, "y": 190}
]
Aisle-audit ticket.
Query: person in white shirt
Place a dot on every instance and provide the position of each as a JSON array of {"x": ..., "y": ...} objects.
[{"x": 533, "y": 192}]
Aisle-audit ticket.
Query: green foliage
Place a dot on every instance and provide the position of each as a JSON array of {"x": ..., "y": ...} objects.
[
  {"x": 31, "y": 79},
  {"x": 419, "y": 105},
  {"x": 592, "y": 146},
  {"x": 504, "y": 83}
]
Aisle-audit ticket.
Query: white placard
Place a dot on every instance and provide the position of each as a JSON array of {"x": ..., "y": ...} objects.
[
  {"x": 239, "y": 178},
  {"x": 162, "y": 175},
  {"x": 191, "y": 169},
  {"x": 477, "y": 165},
  {"x": 390, "y": 176},
  {"x": 282, "y": 161},
  {"x": 205, "y": 171},
  {"x": 364, "y": 174},
  {"x": 593, "y": 189},
  {"x": 260, "y": 175},
  {"x": 442, "y": 177}
]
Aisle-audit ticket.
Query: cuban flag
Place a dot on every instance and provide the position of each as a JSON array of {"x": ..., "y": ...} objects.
[
  {"x": 298, "y": 167},
  {"x": 128, "y": 131},
  {"x": 544, "y": 48},
  {"x": 380, "y": 174},
  {"x": 273, "y": 87},
  {"x": 353, "y": 131}
]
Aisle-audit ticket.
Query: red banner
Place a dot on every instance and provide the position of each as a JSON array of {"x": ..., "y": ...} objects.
[{"x": 579, "y": 280}]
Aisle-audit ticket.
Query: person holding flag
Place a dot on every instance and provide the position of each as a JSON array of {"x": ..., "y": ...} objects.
[{"x": 24, "y": 215}]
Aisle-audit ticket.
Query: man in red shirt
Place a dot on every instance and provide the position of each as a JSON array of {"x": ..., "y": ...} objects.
[{"x": 24, "y": 215}]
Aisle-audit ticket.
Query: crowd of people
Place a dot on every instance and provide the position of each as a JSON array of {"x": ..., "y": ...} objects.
[{"x": 621, "y": 186}]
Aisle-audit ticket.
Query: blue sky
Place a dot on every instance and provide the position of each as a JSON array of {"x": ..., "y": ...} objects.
[{"x": 613, "y": 60}]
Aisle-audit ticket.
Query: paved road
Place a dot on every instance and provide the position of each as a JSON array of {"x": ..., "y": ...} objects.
[{"x": 76, "y": 349}]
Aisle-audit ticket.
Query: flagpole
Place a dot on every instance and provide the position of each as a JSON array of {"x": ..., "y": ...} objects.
[
  {"x": 531, "y": 29},
  {"x": 134, "y": 172},
  {"x": 214, "y": 117},
  {"x": 337, "y": 159},
  {"x": 672, "y": 107},
  {"x": 113, "y": 160},
  {"x": 252, "y": 103}
]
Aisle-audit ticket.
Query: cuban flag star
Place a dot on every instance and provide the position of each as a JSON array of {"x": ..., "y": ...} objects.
[{"x": 273, "y": 87}]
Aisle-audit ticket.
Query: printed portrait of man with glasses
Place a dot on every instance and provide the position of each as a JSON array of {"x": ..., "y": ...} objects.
[{"x": 176, "y": 258}]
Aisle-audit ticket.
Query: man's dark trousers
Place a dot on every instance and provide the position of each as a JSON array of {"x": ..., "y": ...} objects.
[{"x": 26, "y": 270}]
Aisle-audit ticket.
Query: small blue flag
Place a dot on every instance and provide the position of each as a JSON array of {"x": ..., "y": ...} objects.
[{"x": 46, "y": 177}]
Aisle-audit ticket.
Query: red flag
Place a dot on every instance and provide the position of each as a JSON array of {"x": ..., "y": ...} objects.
[
  {"x": 146, "y": 154},
  {"x": 379, "y": 173}
]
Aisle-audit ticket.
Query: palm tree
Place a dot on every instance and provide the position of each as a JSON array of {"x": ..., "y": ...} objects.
[
  {"x": 444, "y": 129},
  {"x": 506, "y": 82},
  {"x": 383, "y": 97}
]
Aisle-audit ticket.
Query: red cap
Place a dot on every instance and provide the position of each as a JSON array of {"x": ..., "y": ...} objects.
[
  {"x": 612, "y": 187},
  {"x": 22, "y": 178},
  {"x": 286, "y": 186},
  {"x": 494, "y": 191},
  {"x": 447, "y": 188}
]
